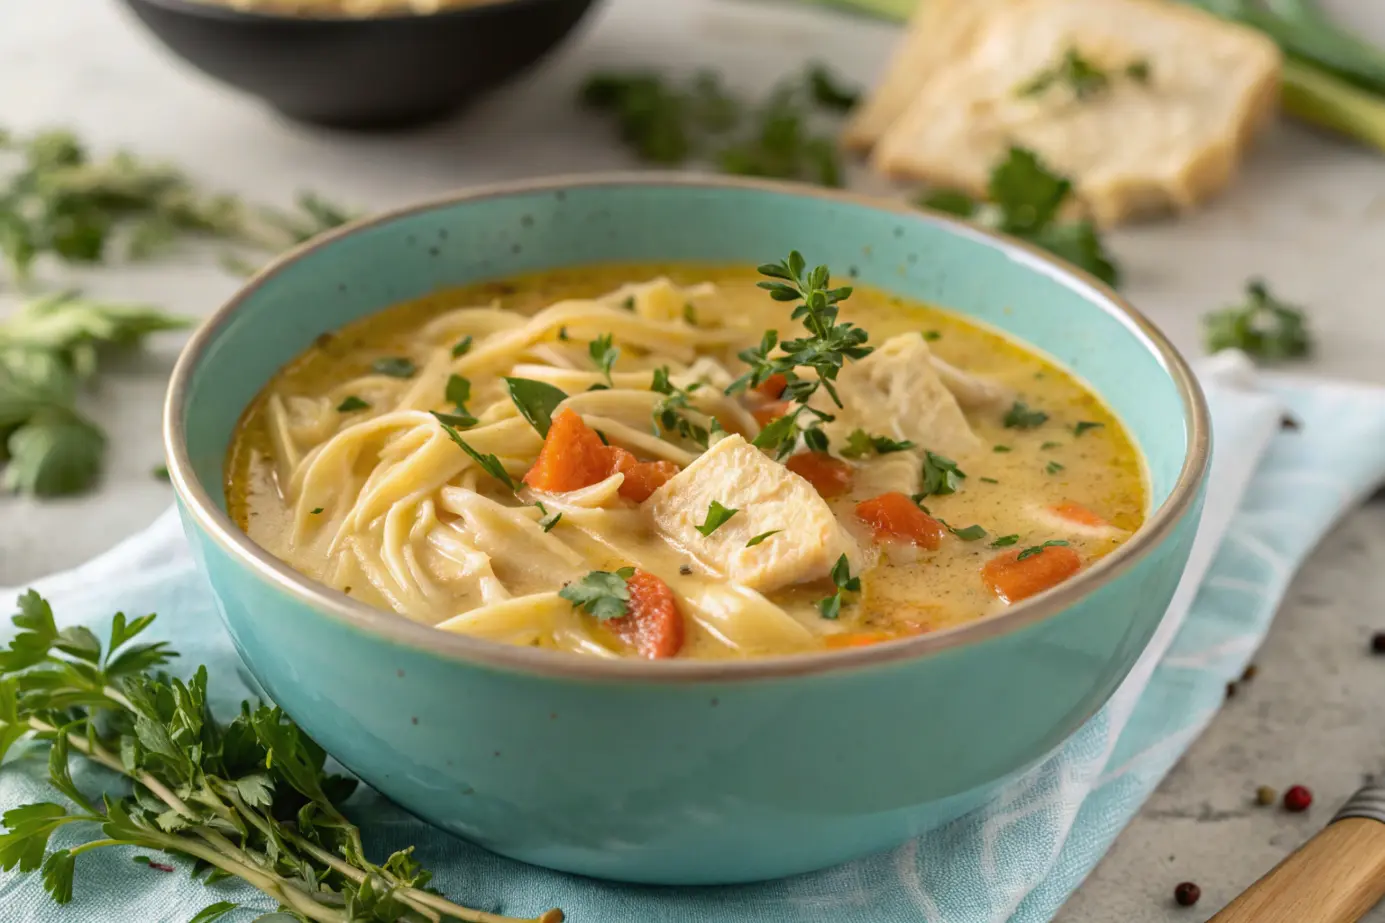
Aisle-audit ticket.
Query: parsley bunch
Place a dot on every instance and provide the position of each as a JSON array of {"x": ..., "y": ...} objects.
[
  {"x": 248, "y": 799},
  {"x": 1026, "y": 199},
  {"x": 823, "y": 352},
  {"x": 47, "y": 350}
]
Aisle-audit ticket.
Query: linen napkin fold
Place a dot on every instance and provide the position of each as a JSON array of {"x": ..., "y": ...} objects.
[{"x": 1016, "y": 859}]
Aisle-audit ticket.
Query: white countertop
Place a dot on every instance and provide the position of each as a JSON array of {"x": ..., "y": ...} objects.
[{"x": 1308, "y": 214}]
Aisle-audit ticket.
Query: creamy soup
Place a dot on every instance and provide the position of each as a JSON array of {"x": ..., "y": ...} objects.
[{"x": 620, "y": 461}]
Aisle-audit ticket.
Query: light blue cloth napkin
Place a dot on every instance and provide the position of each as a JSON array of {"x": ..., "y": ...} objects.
[{"x": 1274, "y": 494}]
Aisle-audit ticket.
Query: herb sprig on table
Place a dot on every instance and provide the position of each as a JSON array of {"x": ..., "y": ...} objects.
[
  {"x": 1262, "y": 327},
  {"x": 249, "y": 799},
  {"x": 48, "y": 349},
  {"x": 57, "y": 199},
  {"x": 823, "y": 352},
  {"x": 1026, "y": 199},
  {"x": 671, "y": 123}
]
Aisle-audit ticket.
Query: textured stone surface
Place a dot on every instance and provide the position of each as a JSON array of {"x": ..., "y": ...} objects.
[{"x": 1309, "y": 214}]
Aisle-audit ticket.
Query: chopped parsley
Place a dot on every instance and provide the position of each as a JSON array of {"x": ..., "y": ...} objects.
[
  {"x": 932, "y": 335},
  {"x": 1005, "y": 541},
  {"x": 689, "y": 314},
  {"x": 1001, "y": 448},
  {"x": 717, "y": 515},
  {"x": 352, "y": 403},
  {"x": 601, "y": 593},
  {"x": 1053, "y": 467},
  {"x": 394, "y": 367},
  {"x": 562, "y": 334},
  {"x": 536, "y": 401},
  {"x": 940, "y": 475},
  {"x": 1039, "y": 549},
  {"x": 461, "y": 347},
  {"x": 317, "y": 511},
  {"x": 969, "y": 534},
  {"x": 831, "y": 607},
  {"x": 488, "y": 463},
  {"x": 160, "y": 473},
  {"x": 860, "y": 444},
  {"x": 458, "y": 392},
  {"x": 1051, "y": 445},
  {"x": 628, "y": 303},
  {"x": 670, "y": 414},
  {"x": 988, "y": 480},
  {"x": 1081, "y": 426},
  {"x": 1085, "y": 79},
  {"x": 604, "y": 354},
  {"x": 761, "y": 537},
  {"x": 827, "y": 92},
  {"x": 548, "y": 520},
  {"x": 1020, "y": 416},
  {"x": 1263, "y": 327}
]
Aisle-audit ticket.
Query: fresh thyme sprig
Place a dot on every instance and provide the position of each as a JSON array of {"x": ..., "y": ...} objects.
[
  {"x": 823, "y": 352},
  {"x": 249, "y": 799}
]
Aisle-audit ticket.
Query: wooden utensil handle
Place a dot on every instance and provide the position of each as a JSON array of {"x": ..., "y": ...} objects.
[{"x": 1336, "y": 877}]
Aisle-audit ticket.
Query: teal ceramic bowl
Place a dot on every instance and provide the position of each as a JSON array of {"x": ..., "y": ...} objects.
[{"x": 686, "y": 772}]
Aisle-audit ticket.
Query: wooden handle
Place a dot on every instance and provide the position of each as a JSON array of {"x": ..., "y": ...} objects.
[{"x": 1336, "y": 877}]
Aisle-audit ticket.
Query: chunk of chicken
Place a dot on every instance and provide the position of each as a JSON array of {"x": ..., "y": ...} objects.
[
  {"x": 767, "y": 497},
  {"x": 896, "y": 392},
  {"x": 971, "y": 391}
]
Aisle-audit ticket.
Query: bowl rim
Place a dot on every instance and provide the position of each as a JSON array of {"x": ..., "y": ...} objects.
[
  {"x": 213, "y": 10},
  {"x": 396, "y": 629}
]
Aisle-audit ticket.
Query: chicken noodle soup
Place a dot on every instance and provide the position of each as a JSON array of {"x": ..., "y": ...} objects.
[{"x": 666, "y": 467}]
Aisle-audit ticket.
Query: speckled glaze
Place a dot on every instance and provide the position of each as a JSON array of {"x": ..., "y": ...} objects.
[{"x": 686, "y": 773}]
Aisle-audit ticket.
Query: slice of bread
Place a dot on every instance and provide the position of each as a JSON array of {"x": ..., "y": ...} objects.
[{"x": 1168, "y": 141}]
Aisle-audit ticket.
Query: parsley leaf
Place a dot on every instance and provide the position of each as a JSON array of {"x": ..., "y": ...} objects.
[
  {"x": 352, "y": 403},
  {"x": 56, "y": 452},
  {"x": 1020, "y": 416},
  {"x": 1081, "y": 426},
  {"x": 969, "y": 534},
  {"x": 602, "y": 594},
  {"x": 604, "y": 354},
  {"x": 488, "y": 463},
  {"x": 1005, "y": 541},
  {"x": 831, "y": 607},
  {"x": 536, "y": 401},
  {"x": 1039, "y": 549},
  {"x": 1263, "y": 327},
  {"x": 1026, "y": 201},
  {"x": 462, "y": 347},
  {"x": 717, "y": 515},
  {"x": 458, "y": 391},
  {"x": 214, "y": 912},
  {"x": 859, "y": 444},
  {"x": 548, "y": 520},
  {"x": 670, "y": 415},
  {"x": 1053, "y": 467},
  {"x": 1085, "y": 79},
  {"x": 394, "y": 367},
  {"x": 761, "y": 537},
  {"x": 940, "y": 475},
  {"x": 827, "y": 92},
  {"x": 1001, "y": 449}
]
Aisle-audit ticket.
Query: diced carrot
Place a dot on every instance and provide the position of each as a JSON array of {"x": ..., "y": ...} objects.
[
  {"x": 773, "y": 386},
  {"x": 830, "y": 477},
  {"x": 855, "y": 639},
  {"x": 572, "y": 457},
  {"x": 654, "y": 625},
  {"x": 643, "y": 478},
  {"x": 895, "y": 516},
  {"x": 622, "y": 460},
  {"x": 1076, "y": 512},
  {"x": 769, "y": 413},
  {"x": 1013, "y": 579}
]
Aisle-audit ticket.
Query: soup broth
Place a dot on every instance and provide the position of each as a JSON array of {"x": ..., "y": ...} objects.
[{"x": 566, "y": 460}]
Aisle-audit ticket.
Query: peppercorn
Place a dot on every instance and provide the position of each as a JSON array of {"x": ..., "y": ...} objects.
[
  {"x": 1266, "y": 796},
  {"x": 1378, "y": 643},
  {"x": 1297, "y": 799},
  {"x": 1187, "y": 894}
]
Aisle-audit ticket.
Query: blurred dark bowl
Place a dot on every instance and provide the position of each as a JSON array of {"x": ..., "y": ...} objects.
[{"x": 379, "y": 72}]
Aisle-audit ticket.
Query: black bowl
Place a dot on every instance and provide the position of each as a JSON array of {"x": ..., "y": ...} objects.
[{"x": 363, "y": 73}]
